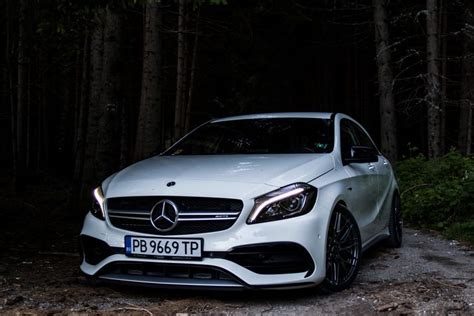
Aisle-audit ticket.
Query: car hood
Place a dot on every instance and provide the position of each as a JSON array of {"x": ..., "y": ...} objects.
[{"x": 226, "y": 176}]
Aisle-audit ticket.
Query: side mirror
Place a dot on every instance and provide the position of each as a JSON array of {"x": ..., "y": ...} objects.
[{"x": 361, "y": 154}]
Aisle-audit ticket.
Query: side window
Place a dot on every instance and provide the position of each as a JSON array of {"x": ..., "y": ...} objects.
[
  {"x": 348, "y": 138},
  {"x": 353, "y": 135},
  {"x": 363, "y": 138}
]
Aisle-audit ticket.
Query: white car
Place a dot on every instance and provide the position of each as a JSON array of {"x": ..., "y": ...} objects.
[{"x": 283, "y": 200}]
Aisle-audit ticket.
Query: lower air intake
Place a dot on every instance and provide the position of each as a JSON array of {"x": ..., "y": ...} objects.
[
  {"x": 163, "y": 275},
  {"x": 273, "y": 258}
]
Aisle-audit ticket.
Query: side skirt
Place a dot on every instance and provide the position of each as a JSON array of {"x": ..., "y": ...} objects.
[{"x": 375, "y": 240}]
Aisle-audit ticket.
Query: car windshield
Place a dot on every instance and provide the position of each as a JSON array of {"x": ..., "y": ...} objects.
[{"x": 258, "y": 136}]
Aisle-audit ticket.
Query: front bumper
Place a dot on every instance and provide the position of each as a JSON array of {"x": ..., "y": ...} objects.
[{"x": 304, "y": 238}]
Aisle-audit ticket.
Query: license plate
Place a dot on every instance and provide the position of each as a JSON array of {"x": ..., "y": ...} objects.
[{"x": 163, "y": 247}]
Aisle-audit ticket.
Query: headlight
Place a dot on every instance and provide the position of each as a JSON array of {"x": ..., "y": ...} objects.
[
  {"x": 293, "y": 200},
  {"x": 98, "y": 204}
]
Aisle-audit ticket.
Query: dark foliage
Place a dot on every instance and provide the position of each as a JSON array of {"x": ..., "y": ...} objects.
[{"x": 438, "y": 193}]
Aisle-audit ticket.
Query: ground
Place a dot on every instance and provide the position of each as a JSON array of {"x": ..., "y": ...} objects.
[{"x": 39, "y": 274}]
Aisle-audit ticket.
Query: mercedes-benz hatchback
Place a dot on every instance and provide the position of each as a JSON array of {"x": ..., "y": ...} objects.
[{"x": 280, "y": 200}]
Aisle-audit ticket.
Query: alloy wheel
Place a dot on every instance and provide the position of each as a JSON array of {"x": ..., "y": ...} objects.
[{"x": 343, "y": 249}]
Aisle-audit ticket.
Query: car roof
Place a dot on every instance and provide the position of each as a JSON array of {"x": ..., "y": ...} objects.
[{"x": 320, "y": 115}]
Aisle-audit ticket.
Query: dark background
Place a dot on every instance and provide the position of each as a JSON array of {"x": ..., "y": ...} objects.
[{"x": 251, "y": 57}]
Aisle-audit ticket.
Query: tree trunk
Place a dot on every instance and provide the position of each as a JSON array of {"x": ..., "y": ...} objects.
[
  {"x": 82, "y": 114},
  {"x": 467, "y": 105},
  {"x": 124, "y": 137},
  {"x": 64, "y": 124},
  {"x": 44, "y": 156},
  {"x": 21, "y": 104},
  {"x": 96, "y": 65},
  {"x": 77, "y": 95},
  {"x": 185, "y": 84},
  {"x": 10, "y": 97},
  {"x": 443, "y": 27},
  {"x": 107, "y": 158},
  {"x": 29, "y": 120},
  {"x": 187, "y": 115},
  {"x": 180, "y": 72},
  {"x": 41, "y": 140},
  {"x": 149, "y": 114},
  {"x": 388, "y": 128},
  {"x": 432, "y": 79}
]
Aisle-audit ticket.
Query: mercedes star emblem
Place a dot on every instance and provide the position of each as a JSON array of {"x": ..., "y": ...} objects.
[{"x": 164, "y": 215}]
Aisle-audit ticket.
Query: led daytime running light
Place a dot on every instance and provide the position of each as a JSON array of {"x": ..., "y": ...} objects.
[{"x": 100, "y": 199}]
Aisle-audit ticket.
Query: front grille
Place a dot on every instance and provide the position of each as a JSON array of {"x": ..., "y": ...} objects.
[{"x": 196, "y": 214}]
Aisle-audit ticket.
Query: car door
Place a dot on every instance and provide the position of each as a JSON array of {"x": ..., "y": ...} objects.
[
  {"x": 363, "y": 184},
  {"x": 382, "y": 174}
]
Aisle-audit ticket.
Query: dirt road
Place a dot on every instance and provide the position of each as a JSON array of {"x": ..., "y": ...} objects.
[{"x": 429, "y": 274}]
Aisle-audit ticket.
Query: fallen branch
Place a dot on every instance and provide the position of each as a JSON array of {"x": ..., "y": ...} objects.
[
  {"x": 269, "y": 308},
  {"x": 387, "y": 307},
  {"x": 132, "y": 308},
  {"x": 135, "y": 307},
  {"x": 447, "y": 284},
  {"x": 415, "y": 187}
]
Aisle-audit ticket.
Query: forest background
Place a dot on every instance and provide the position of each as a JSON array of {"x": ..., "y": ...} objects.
[{"x": 89, "y": 87}]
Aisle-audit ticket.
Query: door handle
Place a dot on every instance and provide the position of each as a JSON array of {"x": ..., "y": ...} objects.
[{"x": 371, "y": 167}]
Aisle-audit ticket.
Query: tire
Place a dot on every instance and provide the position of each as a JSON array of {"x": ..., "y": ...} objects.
[
  {"x": 395, "y": 224},
  {"x": 343, "y": 252}
]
